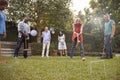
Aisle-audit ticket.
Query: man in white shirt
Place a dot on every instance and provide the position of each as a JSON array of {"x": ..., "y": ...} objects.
[
  {"x": 23, "y": 36},
  {"x": 46, "y": 41}
]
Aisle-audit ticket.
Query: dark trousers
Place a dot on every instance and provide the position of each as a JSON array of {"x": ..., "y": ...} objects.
[
  {"x": 73, "y": 47},
  {"x": 1, "y": 36},
  {"x": 107, "y": 43},
  {"x": 18, "y": 46}
]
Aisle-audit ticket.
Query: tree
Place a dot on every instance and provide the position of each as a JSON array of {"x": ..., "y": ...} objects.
[
  {"x": 51, "y": 13},
  {"x": 100, "y": 7},
  {"x": 106, "y": 6}
]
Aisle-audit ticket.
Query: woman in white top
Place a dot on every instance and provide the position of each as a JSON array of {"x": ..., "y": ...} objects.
[{"x": 62, "y": 44}]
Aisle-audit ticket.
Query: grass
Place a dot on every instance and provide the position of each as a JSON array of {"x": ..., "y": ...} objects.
[{"x": 60, "y": 68}]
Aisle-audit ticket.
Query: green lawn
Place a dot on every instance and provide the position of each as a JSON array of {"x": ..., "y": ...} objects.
[{"x": 60, "y": 68}]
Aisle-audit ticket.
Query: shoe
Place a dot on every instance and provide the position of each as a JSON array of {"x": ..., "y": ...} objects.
[
  {"x": 71, "y": 57},
  {"x": 83, "y": 59},
  {"x": 15, "y": 57},
  {"x": 47, "y": 56},
  {"x": 111, "y": 57}
]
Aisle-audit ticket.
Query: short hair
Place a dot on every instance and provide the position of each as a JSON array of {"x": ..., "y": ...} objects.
[
  {"x": 46, "y": 27},
  {"x": 107, "y": 14},
  {"x": 26, "y": 17},
  {"x": 3, "y": 3}
]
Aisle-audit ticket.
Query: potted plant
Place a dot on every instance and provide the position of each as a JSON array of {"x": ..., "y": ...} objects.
[{"x": 53, "y": 51}]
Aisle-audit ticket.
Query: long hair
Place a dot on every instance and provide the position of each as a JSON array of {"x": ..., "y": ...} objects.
[
  {"x": 77, "y": 21},
  {"x": 61, "y": 33}
]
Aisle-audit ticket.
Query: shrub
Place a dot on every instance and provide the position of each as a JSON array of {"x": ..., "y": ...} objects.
[{"x": 36, "y": 48}]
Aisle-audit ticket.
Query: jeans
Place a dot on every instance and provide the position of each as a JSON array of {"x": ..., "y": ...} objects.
[
  {"x": 46, "y": 44},
  {"x": 73, "y": 47},
  {"x": 107, "y": 43},
  {"x": 19, "y": 43}
]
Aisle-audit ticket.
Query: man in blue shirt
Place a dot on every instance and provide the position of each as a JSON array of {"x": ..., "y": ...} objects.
[
  {"x": 109, "y": 33},
  {"x": 3, "y": 5},
  {"x": 46, "y": 41}
]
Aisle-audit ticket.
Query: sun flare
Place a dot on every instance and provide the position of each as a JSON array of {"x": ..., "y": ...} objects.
[{"x": 79, "y": 5}]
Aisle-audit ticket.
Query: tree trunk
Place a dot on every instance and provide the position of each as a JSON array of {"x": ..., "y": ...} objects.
[
  {"x": 39, "y": 30},
  {"x": 39, "y": 35}
]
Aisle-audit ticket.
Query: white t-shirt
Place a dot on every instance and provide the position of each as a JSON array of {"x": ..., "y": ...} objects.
[{"x": 24, "y": 27}]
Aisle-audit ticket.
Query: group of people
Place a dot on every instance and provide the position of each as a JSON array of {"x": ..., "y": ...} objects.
[
  {"x": 46, "y": 34},
  {"x": 77, "y": 37}
]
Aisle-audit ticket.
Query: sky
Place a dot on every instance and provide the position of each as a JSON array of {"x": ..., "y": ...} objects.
[{"x": 78, "y": 5}]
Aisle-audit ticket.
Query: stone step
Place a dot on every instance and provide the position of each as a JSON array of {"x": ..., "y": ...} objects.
[
  {"x": 7, "y": 54},
  {"x": 7, "y": 49},
  {"x": 8, "y": 44}
]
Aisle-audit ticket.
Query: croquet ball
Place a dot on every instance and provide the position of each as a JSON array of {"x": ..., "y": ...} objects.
[
  {"x": 83, "y": 59},
  {"x": 33, "y": 33}
]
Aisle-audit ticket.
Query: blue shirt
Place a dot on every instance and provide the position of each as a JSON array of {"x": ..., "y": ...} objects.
[
  {"x": 2, "y": 23},
  {"x": 108, "y": 27},
  {"x": 46, "y": 36}
]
